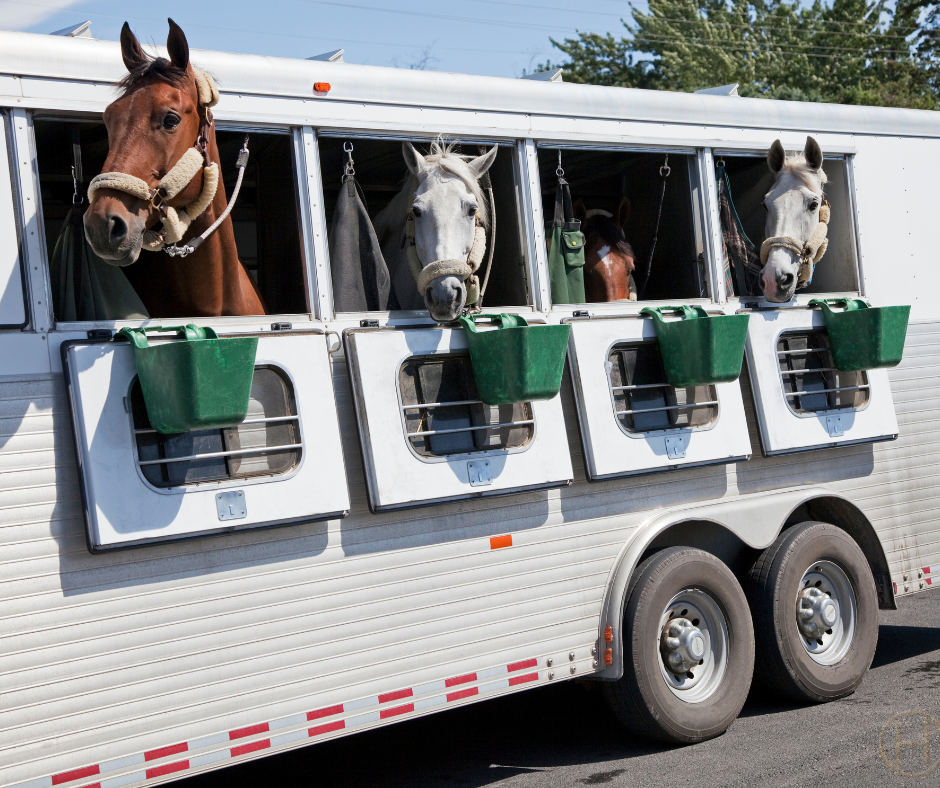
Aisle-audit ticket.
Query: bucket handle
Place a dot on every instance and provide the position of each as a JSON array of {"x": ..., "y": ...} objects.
[
  {"x": 687, "y": 312},
  {"x": 505, "y": 321},
  {"x": 850, "y": 304},
  {"x": 189, "y": 332}
]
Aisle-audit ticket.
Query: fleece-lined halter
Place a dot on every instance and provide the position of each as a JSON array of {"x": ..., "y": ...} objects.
[
  {"x": 809, "y": 253},
  {"x": 465, "y": 270},
  {"x": 175, "y": 221}
]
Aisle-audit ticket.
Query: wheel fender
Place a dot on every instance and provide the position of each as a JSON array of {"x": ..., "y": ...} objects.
[{"x": 755, "y": 519}]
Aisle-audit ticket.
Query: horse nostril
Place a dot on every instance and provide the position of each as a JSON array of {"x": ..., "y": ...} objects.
[
  {"x": 785, "y": 281},
  {"x": 117, "y": 229}
]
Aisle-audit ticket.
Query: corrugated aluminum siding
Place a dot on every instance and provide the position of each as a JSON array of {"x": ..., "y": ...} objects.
[{"x": 110, "y": 655}]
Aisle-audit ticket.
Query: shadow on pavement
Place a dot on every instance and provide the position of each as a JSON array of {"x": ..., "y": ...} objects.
[{"x": 896, "y": 643}]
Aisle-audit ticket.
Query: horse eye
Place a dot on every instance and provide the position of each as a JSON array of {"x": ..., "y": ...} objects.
[
  {"x": 472, "y": 210},
  {"x": 171, "y": 121},
  {"x": 813, "y": 205},
  {"x": 416, "y": 211}
]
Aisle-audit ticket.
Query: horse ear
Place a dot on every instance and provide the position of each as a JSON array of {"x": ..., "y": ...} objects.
[
  {"x": 776, "y": 156},
  {"x": 580, "y": 212},
  {"x": 177, "y": 46},
  {"x": 481, "y": 164},
  {"x": 623, "y": 212},
  {"x": 813, "y": 153},
  {"x": 131, "y": 51},
  {"x": 413, "y": 158}
]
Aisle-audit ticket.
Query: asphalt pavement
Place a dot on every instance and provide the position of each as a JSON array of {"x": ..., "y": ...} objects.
[{"x": 563, "y": 735}]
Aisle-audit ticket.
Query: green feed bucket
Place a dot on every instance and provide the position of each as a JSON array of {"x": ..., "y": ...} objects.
[
  {"x": 700, "y": 349},
  {"x": 516, "y": 362},
  {"x": 199, "y": 383},
  {"x": 864, "y": 337}
]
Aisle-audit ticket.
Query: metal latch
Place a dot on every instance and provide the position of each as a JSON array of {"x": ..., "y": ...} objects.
[
  {"x": 580, "y": 313},
  {"x": 368, "y": 324},
  {"x": 479, "y": 472},
  {"x": 676, "y": 446},
  {"x": 231, "y": 505},
  {"x": 281, "y": 326},
  {"x": 834, "y": 426},
  {"x": 100, "y": 334}
]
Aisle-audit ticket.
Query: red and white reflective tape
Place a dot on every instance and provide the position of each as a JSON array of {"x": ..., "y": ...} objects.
[
  {"x": 928, "y": 571},
  {"x": 380, "y": 707}
]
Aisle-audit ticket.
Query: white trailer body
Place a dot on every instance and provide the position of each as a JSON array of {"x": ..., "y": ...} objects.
[{"x": 171, "y": 657}]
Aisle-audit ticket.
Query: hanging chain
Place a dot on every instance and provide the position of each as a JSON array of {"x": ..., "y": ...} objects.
[
  {"x": 665, "y": 170},
  {"x": 77, "y": 198},
  {"x": 559, "y": 171},
  {"x": 350, "y": 169}
]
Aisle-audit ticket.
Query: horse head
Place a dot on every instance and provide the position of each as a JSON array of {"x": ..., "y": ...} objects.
[
  {"x": 447, "y": 201},
  {"x": 608, "y": 257},
  {"x": 793, "y": 218},
  {"x": 154, "y": 122}
]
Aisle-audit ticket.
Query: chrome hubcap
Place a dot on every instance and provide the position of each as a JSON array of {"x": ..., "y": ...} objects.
[
  {"x": 826, "y": 612},
  {"x": 693, "y": 645}
]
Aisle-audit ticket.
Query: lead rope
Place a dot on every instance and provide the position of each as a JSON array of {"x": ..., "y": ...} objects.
[
  {"x": 664, "y": 173},
  {"x": 187, "y": 249}
]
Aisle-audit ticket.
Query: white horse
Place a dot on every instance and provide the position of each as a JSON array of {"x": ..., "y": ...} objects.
[
  {"x": 443, "y": 194},
  {"x": 795, "y": 233}
]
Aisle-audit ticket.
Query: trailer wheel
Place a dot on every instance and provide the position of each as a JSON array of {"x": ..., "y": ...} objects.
[
  {"x": 688, "y": 648},
  {"x": 815, "y": 612}
]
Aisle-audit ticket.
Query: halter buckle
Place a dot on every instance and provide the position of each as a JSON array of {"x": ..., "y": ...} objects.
[{"x": 158, "y": 200}]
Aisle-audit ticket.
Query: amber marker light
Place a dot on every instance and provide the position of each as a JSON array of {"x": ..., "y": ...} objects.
[
  {"x": 321, "y": 87},
  {"x": 609, "y": 635},
  {"x": 608, "y": 656}
]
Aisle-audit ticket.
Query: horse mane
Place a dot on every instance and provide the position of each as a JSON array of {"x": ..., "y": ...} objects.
[
  {"x": 797, "y": 165},
  {"x": 157, "y": 67},
  {"x": 444, "y": 155}
]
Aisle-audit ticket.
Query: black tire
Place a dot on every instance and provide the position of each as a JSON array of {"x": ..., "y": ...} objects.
[
  {"x": 641, "y": 698},
  {"x": 784, "y": 666}
]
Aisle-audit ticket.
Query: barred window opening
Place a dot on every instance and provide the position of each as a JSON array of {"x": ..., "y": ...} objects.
[
  {"x": 267, "y": 442},
  {"x": 811, "y": 383},
  {"x": 443, "y": 414},
  {"x": 645, "y": 402}
]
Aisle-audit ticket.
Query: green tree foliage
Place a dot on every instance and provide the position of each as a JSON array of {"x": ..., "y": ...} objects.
[{"x": 850, "y": 52}]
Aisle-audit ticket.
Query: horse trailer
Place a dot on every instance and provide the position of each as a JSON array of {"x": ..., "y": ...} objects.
[{"x": 375, "y": 543}]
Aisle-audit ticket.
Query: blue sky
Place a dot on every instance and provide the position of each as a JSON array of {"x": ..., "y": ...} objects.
[{"x": 491, "y": 37}]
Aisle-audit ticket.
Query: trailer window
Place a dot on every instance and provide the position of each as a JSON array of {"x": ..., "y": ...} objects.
[
  {"x": 750, "y": 179},
  {"x": 443, "y": 415},
  {"x": 265, "y": 221},
  {"x": 267, "y": 442},
  {"x": 645, "y": 402},
  {"x": 811, "y": 383},
  {"x": 381, "y": 174},
  {"x": 616, "y": 194}
]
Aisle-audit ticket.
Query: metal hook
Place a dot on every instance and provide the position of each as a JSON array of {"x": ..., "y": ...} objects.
[
  {"x": 665, "y": 170},
  {"x": 721, "y": 161},
  {"x": 559, "y": 171},
  {"x": 348, "y": 147}
]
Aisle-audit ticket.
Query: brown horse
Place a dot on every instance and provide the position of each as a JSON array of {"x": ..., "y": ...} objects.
[
  {"x": 154, "y": 122},
  {"x": 608, "y": 258}
]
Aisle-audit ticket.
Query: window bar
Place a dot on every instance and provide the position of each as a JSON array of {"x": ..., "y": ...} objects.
[
  {"x": 641, "y": 386},
  {"x": 217, "y": 454},
  {"x": 443, "y": 404},
  {"x": 667, "y": 407},
  {"x": 805, "y": 350},
  {"x": 471, "y": 429},
  {"x": 807, "y": 371},
  {"x": 825, "y": 391},
  {"x": 246, "y": 421}
]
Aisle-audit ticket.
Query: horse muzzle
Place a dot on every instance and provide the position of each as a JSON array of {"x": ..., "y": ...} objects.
[
  {"x": 114, "y": 233},
  {"x": 445, "y": 297},
  {"x": 779, "y": 275}
]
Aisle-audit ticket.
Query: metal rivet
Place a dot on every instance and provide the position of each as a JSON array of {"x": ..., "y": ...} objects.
[
  {"x": 551, "y": 675},
  {"x": 571, "y": 656},
  {"x": 549, "y": 661},
  {"x": 574, "y": 668},
  {"x": 594, "y": 664},
  {"x": 593, "y": 651}
]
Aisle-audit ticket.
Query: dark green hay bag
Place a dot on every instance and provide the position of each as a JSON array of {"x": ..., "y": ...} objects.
[
  {"x": 864, "y": 337},
  {"x": 199, "y": 383},
  {"x": 700, "y": 349},
  {"x": 516, "y": 362}
]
